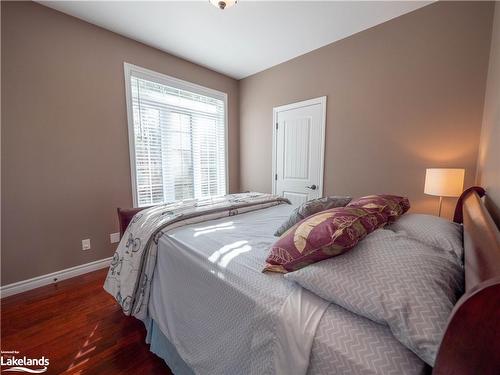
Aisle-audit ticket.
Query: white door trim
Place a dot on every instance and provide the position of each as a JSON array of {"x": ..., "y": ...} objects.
[
  {"x": 321, "y": 101},
  {"x": 52, "y": 278}
]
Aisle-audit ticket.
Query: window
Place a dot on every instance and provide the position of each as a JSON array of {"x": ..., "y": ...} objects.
[{"x": 177, "y": 136}]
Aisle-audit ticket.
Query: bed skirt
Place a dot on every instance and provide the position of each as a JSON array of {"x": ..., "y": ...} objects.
[{"x": 163, "y": 348}]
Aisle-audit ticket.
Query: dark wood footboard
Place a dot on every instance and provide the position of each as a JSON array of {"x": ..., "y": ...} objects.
[{"x": 125, "y": 215}]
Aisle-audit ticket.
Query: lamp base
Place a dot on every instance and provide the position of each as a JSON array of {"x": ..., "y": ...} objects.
[{"x": 440, "y": 205}]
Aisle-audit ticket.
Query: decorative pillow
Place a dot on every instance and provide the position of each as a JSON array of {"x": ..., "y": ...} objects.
[
  {"x": 392, "y": 206},
  {"x": 393, "y": 280},
  {"x": 433, "y": 231},
  {"x": 321, "y": 236},
  {"x": 310, "y": 208}
]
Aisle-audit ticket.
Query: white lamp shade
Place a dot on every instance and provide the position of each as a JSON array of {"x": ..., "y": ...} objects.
[{"x": 444, "y": 182}]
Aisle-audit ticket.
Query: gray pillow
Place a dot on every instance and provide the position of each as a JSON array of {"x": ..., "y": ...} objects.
[
  {"x": 310, "y": 208},
  {"x": 394, "y": 280},
  {"x": 433, "y": 231}
]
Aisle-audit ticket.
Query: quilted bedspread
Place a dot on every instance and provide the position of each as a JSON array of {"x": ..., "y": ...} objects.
[{"x": 129, "y": 276}]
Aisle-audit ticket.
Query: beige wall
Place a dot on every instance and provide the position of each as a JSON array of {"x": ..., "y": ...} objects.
[
  {"x": 402, "y": 96},
  {"x": 65, "y": 156},
  {"x": 489, "y": 149}
]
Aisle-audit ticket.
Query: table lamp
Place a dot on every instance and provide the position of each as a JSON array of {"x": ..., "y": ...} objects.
[{"x": 444, "y": 182}]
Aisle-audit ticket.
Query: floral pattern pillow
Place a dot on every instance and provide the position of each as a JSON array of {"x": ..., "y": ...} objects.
[
  {"x": 392, "y": 206},
  {"x": 323, "y": 235}
]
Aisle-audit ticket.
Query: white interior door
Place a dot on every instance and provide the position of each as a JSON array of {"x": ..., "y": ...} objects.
[{"x": 298, "y": 150}]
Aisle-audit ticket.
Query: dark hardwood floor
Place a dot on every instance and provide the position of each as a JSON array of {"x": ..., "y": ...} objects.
[{"x": 79, "y": 327}]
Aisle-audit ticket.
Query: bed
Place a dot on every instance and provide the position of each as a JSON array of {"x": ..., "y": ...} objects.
[{"x": 223, "y": 305}]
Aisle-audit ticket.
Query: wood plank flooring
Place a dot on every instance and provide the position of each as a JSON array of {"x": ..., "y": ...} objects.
[{"x": 79, "y": 327}]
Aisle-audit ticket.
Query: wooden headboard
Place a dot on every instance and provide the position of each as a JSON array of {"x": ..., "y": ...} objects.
[{"x": 471, "y": 343}]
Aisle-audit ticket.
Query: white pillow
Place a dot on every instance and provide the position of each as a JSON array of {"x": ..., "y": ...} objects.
[
  {"x": 433, "y": 231},
  {"x": 394, "y": 280}
]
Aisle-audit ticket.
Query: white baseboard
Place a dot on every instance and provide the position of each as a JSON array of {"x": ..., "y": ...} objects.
[{"x": 51, "y": 278}]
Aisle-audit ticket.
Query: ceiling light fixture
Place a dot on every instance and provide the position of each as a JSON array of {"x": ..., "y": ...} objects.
[{"x": 223, "y": 4}]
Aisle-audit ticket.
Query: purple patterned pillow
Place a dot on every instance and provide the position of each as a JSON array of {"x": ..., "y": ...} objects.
[
  {"x": 321, "y": 236},
  {"x": 392, "y": 206}
]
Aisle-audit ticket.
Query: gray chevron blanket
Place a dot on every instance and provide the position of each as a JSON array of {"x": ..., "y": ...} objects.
[{"x": 130, "y": 274}]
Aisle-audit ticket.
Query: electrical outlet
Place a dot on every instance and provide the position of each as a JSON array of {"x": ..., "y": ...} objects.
[
  {"x": 86, "y": 244},
  {"x": 114, "y": 237}
]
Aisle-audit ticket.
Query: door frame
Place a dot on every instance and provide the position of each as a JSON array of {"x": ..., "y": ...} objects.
[{"x": 305, "y": 103}]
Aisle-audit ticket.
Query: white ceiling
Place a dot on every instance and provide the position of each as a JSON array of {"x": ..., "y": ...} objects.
[{"x": 242, "y": 40}]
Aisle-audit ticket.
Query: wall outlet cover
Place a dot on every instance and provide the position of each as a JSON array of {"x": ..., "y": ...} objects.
[
  {"x": 86, "y": 244},
  {"x": 114, "y": 237}
]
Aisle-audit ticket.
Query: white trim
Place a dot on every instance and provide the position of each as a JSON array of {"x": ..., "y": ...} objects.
[
  {"x": 141, "y": 72},
  {"x": 305, "y": 103},
  {"x": 130, "y": 123},
  {"x": 275, "y": 145},
  {"x": 52, "y": 278}
]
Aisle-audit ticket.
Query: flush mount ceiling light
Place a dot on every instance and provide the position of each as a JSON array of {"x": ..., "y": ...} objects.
[{"x": 223, "y": 4}]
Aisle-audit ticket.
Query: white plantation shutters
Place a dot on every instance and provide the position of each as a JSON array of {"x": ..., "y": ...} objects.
[{"x": 178, "y": 135}]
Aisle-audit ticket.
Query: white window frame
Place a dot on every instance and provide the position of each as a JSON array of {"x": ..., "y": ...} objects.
[{"x": 141, "y": 72}]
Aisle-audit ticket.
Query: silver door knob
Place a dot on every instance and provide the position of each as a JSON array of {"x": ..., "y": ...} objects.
[{"x": 312, "y": 187}]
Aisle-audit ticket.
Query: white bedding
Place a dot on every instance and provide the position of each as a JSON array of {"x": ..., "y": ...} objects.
[{"x": 211, "y": 300}]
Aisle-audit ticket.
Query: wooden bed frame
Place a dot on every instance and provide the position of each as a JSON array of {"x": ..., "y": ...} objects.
[{"x": 471, "y": 342}]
